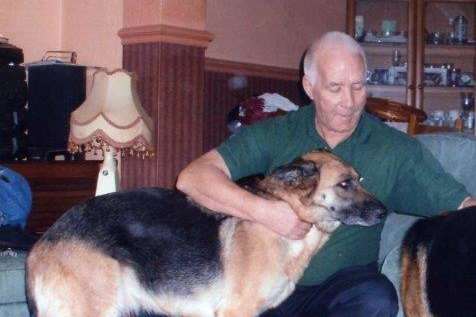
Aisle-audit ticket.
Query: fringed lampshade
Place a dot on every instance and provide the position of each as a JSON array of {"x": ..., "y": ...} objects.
[{"x": 111, "y": 119}]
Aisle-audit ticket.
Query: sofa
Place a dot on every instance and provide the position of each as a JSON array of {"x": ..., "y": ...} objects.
[{"x": 456, "y": 152}]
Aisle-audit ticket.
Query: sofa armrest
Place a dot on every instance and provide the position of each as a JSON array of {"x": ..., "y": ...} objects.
[{"x": 456, "y": 152}]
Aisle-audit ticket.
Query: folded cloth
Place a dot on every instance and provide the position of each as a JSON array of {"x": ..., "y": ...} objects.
[
  {"x": 15, "y": 198},
  {"x": 265, "y": 106},
  {"x": 274, "y": 102}
]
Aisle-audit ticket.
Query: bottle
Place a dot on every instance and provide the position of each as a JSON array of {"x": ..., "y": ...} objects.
[
  {"x": 455, "y": 74},
  {"x": 467, "y": 107},
  {"x": 359, "y": 28},
  {"x": 391, "y": 75},
  {"x": 396, "y": 57},
  {"x": 451, "y": 32},
  {"x": 460, "y": 28},
  {"x": 470, "y": 121}
]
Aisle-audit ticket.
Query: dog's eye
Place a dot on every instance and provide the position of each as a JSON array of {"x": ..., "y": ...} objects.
[
  {"x": 347, "y": 184},
  {"x": 344, "y": 185}
]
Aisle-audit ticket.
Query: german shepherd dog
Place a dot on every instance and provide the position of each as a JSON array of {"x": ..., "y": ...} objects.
[
  {"x": 439, "y": 266},
  {"x": 156, "y": 250}
]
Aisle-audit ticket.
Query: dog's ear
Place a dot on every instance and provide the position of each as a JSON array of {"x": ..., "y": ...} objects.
[
  {"x": 298, "y": 173},
  {"x": 294, "y": 183},
  {"x": 250, "y": 183}
]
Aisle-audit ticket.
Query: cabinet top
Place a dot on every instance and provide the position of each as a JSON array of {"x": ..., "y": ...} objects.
[{"x": 447, "y": 1}]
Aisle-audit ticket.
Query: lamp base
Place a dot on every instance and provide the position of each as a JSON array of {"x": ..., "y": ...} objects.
[{"x": 108, "y": 180}]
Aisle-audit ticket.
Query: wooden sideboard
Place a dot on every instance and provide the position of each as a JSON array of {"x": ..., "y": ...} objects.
[{"x": 56, "y": 187}]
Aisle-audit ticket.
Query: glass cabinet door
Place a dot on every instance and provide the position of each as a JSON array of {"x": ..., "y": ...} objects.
[
  {"x": 446, "y": 60},
  {"x": 385, "y": 29}
]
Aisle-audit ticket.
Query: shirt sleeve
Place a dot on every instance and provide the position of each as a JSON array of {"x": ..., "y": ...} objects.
[
  {"x": 423, "y": 188},
  {"x": 247, "y": 152}
]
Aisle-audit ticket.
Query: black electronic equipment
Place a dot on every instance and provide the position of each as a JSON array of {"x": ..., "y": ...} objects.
[
  {"x": 13, "y": 98},
  {"x": 55, "y": 90}
]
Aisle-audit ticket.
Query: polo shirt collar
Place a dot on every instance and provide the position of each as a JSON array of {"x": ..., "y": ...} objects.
[{"x": 360, "y": 134}]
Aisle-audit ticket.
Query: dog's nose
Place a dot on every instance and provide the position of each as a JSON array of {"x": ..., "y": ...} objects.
[
  {"x": 381, "y": 214},
  {"x": 375, "y": 210},
  {"x": 381, "y": 211}
]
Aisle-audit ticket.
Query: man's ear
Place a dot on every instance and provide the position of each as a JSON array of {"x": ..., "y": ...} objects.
[{"x": 306, "y": 84}]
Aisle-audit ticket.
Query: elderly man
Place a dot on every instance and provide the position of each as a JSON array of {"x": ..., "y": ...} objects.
[{"x": 342, "y": 279}]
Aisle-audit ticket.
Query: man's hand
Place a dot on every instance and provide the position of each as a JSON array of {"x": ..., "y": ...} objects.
[
  {"x": 468, "y": 202},
  {"x": 280, "y": 218}
]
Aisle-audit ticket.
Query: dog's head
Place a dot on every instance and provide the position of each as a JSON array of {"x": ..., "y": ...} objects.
[{"x": 322, "y": 189}]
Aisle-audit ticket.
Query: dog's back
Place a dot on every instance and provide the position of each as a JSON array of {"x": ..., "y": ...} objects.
[
  {"x": 166, "y": 241},
  {"x": 438, "y": 266}
]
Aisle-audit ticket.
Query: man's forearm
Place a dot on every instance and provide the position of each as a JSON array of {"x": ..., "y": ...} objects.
[
  {"x": 219, "y": 196},
  {"x": 206, "y": 182}
]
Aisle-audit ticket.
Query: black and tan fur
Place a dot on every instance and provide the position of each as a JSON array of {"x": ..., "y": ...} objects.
[
  {"x": 156, "y": 250},
  {"x": 439, "y": 266}
]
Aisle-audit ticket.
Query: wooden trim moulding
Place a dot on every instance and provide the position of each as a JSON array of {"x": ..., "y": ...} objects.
[
  {"x": 252, "y": 70},
  {"x": 350, "y": 17},
  {"x": 164, "y": 33}
]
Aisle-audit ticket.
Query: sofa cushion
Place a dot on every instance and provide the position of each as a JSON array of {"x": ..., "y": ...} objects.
[
  {"x": 14, "y": 310},
  {"x": 12, "y": 276}
]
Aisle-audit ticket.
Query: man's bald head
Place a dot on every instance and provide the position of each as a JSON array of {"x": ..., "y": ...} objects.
[{"x": 328, "y": 43}]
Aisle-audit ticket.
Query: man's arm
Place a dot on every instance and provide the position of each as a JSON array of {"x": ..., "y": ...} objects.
[
  {"x": 467, "y": 202},
  {"x": 424, "y": 188},
  {"x": 207, "y": 181}
]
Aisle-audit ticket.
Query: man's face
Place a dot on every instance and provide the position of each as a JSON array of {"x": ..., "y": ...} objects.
[{"x": 339, "y": 93}]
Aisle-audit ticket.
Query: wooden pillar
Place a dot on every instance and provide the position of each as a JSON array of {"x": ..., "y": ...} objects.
[{"x": 164, "y": 46}]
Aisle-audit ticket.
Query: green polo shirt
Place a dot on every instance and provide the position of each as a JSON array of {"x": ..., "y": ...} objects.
[{"x": 396, "y": 168}]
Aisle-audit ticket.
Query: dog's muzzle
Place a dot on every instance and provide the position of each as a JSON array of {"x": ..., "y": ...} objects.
[{"x": 368, "y": 213}]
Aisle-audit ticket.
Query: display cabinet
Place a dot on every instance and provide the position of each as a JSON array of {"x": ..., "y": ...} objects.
[{"x": 419, "y": 52}]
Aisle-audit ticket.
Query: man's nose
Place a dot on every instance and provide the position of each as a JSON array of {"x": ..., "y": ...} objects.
[{"x": 348, "y": 98}]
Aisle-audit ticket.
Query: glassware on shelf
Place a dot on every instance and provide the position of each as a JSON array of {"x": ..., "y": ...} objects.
[
  {"x": 469, "y": 123},
  {"x": 436, "y": 118},
  {"x": 396, "y": 57},
  {"x": 451, "y": 34},
  {"x": 467, "y": 101},
  {"x": 467, "y": 107},
  {"x": 359, "y": 28},
  {"x": 449, "y": 68},
  {"x": 389, "y": 27},
  {"x": 455, "y": 74},
  {"x": 452, "y": 116},
  {"x": 460, "y": 29}
]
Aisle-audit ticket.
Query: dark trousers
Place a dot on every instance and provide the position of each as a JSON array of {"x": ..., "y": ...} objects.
[
  {"x": 353, "y": 292},
  {"x": 358, "y": 291}
]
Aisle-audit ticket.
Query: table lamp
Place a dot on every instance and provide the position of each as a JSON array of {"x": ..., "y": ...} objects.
[{"x": 111, "y": 119}]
